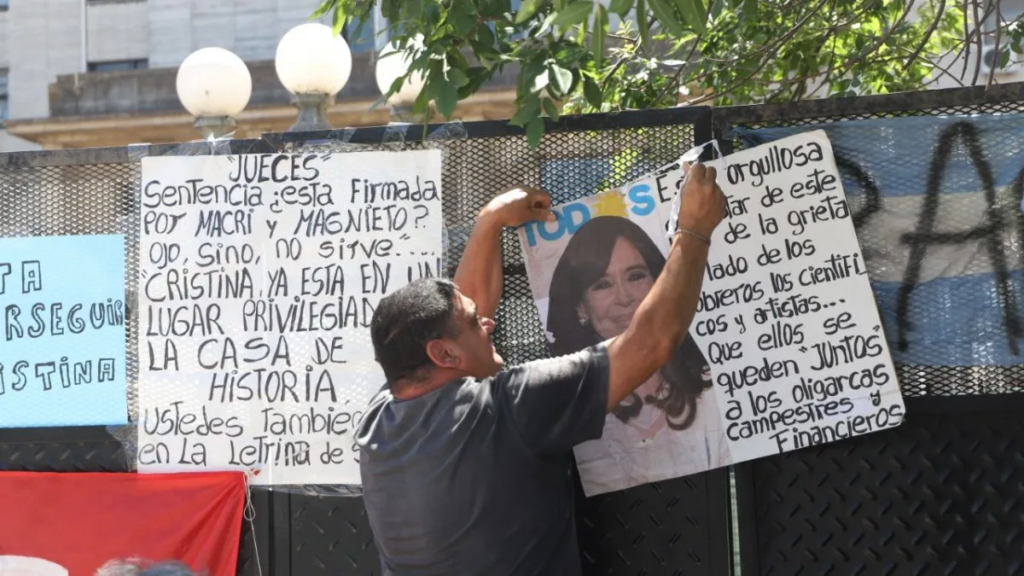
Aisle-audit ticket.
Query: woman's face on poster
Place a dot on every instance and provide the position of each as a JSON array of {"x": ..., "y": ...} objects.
[{"x": 610, "y": 302}]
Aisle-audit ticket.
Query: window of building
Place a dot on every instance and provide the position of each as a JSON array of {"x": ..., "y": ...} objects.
[
  {"x": 3, "y": 95},
  {"x": 115, "y": 65},
  {"x": 4, "y": 5},
  {"x": 364, "y": 41}
]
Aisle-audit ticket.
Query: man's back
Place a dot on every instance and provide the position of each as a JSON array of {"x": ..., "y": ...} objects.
[{"x": 475, "y": 477}]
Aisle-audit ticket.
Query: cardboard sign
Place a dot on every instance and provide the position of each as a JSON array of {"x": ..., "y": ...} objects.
[
  {"x": 786, "y": 350},
  {"x": 259, "y": 278},
  {"x": 62, "y": 338}
]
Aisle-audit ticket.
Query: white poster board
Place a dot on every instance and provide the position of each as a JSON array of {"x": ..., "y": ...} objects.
[
  {"x": 786, "y": 350},
  {"x": 259, "y": 275}
]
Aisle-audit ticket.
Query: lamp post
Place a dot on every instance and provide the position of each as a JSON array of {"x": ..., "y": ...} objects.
[
  {"x": 314, "y": 65},
  {"x": 214, "y": 85},
  {"x": 392, "y": 64}
]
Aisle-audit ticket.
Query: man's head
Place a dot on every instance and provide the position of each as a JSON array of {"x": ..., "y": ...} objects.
[{"x": 429, "y": 328}]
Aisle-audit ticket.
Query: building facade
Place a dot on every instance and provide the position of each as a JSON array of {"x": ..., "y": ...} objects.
[{"x": 77, "y": 73}]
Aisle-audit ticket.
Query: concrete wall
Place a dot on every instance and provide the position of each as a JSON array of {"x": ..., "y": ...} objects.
[
  {"x": 118, "y": 31},
  {"x": 250, "y": 29},
  {"x": 44, "y": 40},
  {"x": 5, "y": 60}
]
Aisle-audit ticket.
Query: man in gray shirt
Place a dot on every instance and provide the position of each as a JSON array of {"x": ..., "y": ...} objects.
[{"x": 466, "y": 468}]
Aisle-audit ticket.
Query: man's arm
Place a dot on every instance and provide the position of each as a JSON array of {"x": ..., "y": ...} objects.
[
  {"x": 663, "y": 318},
  {"x": 479, "y": 275}
]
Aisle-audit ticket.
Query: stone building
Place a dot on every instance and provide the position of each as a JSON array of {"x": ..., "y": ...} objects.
[{"x": 76, "y": 73}]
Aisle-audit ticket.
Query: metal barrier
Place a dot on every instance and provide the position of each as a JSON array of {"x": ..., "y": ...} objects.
[
  {"x": 935, "y": 181},
  {"x": 941, "y": 494}
]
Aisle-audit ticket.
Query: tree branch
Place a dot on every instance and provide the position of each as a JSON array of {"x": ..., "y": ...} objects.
[
  {"x": 764, "y": 61},
  {"x": 980, "y": 55},
  {"x": 927, "y": 36},
  {"x": 997, "y": 59}
]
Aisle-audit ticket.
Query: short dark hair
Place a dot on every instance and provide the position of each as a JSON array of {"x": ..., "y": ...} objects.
[{"x": 406, "y": 320}]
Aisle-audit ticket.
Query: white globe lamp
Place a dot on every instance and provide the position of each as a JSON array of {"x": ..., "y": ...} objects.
[
  {"x": 313, "y": 64},
  {"x": 392, "y": 64},
  {"x": 214, "y": 85}
]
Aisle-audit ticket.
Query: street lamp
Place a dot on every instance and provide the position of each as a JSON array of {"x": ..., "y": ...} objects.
[
  {"x": 214, "y": 85},
  {"x": 392, "y": 64},
  {"x": 314, "y": 65}
]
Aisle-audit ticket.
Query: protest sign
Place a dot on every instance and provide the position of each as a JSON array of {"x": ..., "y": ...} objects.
[
  {"x": 62, "y": 357},
  {"x": 259, "y": 278},
  {"x": 786, "y": 350}
]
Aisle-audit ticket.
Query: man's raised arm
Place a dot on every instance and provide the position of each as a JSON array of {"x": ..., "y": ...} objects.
[
  {"x": 479, "y": 275},
  {"x": 663, "y": 318}
]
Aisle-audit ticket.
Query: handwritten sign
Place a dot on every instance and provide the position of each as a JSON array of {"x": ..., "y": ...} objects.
[
  {"x": 801, "y": 358},
  {"x": 259, "y": 275},
  {"x": 62, "y": 356},
  {"x": 786, "y": 350}
]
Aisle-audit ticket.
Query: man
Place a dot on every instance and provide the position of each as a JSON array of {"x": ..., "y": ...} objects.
[{"x": 466, "y": 469}]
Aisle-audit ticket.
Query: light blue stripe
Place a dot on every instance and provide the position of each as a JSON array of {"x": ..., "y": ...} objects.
[
  {"x": 897, "y": 152},
  {"x": 954, "y": 321}
]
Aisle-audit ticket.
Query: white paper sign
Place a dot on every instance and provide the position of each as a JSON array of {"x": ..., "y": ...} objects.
[
  {"x": 786, "y": 350},
  {"x": 259, "y": 275}
]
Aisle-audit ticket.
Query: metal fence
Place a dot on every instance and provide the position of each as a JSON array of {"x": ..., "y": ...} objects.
[{"x": 942, "y": 494}]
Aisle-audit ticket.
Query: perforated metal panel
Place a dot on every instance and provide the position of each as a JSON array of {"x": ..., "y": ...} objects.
[
  {"x": 846, "y": 508},
  {"x": 944, "y": 131},
  {"x": 651, "y": 530},
  {"x": 942, "y": 494}
]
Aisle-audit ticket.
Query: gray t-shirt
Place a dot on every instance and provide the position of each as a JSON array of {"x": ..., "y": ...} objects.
[{"x": 474, "y": 478}]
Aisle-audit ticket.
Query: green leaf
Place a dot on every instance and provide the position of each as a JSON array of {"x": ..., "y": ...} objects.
[
  {"x": 546, "y": 25},
  {"x": 592, "y": 92},
  {"x": 540, "y": 82},
  {"x": 621, "y": 7},
  {"x": 600, "y": 33},
  {"x": 666, "y": 15},
  {"x": 751, "y": 10},
  {"x": 526, "y": 11},
  {"x": 457, "y": 77},
  {"x": 526, "y": 112},
  {"x": 535, "y": 131},
  {"x": 551, "y": 109},
  {"x": 413, "y": 9},
  {"x": 642, "y": 24},
  {"x": 339, "y": 20},
  {"x": 463, "y": 17},
  {"x": 447, "y": 99},
  {"x": 422, "y": 102},
  {"x": 560, "y": 78},
  {"x": 694, "y": 14},
  {"x": 324, "y": 8},
  {"x": 478, "y": 76},
  {"x": 573, "y": 14}
]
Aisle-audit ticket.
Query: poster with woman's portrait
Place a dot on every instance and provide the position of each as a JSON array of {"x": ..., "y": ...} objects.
[{"x": 588, "y": 272}]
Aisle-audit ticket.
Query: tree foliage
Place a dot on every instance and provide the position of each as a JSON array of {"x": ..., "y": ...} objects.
[{"x": 570, "y": 59}]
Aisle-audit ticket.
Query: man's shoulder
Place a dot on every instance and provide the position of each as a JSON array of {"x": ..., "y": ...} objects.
[
  {"x": 457, "y": 395},
  {"x": 595, "y": 356}
]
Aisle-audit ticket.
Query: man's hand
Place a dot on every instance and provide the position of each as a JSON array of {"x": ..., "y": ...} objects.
[
  {"x": 518, "y": 206},
  {"x": 479, "y": 275},
  {"x": 702, "y": 203}
]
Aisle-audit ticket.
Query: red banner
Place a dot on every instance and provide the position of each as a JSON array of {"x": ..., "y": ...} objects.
[{"x": 82, "y": 521}]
